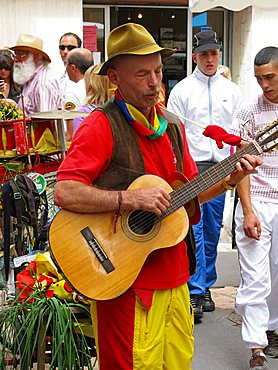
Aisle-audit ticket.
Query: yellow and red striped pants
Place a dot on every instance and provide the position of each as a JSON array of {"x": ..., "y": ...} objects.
[{"x": 130, "y": 337}]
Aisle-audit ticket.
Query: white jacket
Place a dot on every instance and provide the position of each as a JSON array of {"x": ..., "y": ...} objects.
[{"x": 208, "y": 100}]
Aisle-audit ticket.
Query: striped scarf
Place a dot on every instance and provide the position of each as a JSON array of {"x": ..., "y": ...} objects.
[{"x": 152, "y": 128}]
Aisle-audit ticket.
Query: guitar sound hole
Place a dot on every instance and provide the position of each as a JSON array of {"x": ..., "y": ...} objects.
[{"x": 141, "y": 222}]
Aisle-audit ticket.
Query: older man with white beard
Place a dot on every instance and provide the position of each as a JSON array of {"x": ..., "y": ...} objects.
[{"x": 40, "y": 89}]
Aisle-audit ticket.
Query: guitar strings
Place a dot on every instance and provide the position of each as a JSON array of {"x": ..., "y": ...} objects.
[{"x": 145, "y": 220}]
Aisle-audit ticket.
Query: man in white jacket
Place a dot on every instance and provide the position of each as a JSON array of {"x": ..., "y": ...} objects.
[{"x": 209, "y": 98}]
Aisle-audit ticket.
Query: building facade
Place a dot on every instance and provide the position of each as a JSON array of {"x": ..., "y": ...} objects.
[{"x": 242, "y": 32}]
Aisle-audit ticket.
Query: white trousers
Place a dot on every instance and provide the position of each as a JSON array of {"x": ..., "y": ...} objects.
[{"x": 257, "y": 295}]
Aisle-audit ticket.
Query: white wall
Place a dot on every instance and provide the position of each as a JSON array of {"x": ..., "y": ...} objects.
[
  {"x": 48, "y": 19},
  {"x": 241, "y": 53},
  {"x": 253, "y": 29}
]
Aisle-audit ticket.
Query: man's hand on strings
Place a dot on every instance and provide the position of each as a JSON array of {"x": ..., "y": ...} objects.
[{"x": 155, "y": 200}]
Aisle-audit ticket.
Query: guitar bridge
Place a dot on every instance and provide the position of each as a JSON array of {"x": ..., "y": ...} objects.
[{"x": 97, "y": 249}]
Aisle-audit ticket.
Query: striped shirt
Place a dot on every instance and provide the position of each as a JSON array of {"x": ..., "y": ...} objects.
[
  {"x": 41, "y": 93},
  {"x": 264, "y": 181}
]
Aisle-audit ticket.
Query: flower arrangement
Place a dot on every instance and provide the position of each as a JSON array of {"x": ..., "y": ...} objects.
[{"x": 9, "y": 110}]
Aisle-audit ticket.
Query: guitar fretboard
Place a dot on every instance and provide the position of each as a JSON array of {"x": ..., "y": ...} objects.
[{"x": 206, "y": 179}]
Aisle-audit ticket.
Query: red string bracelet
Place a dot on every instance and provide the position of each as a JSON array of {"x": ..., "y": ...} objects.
[
  {"x": 118, "y": 212},
  {"x": 120, "y": 199}
]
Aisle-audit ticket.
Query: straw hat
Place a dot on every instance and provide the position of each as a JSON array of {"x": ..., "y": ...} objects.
[
  {"x": 132, "y": 39},
  {"x": 32, "y": 44}
]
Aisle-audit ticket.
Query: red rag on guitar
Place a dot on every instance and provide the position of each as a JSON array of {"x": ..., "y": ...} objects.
[{"x": 220, "y": 135}]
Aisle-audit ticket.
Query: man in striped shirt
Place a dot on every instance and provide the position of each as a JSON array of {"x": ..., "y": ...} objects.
[
  {"x": 40, "y": 89},
  {"x": 257, "y": 222}
]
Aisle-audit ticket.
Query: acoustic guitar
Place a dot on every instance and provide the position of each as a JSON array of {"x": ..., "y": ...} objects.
[{"x": 101, "y": 254}]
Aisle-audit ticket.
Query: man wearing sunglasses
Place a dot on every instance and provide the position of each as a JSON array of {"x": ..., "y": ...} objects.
[{"x": 68, "y": 42}]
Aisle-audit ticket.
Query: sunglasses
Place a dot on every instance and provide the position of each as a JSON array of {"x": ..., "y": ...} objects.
[
  {"x": 69, "y": 47},
  {"x": 6, "y": 68}
]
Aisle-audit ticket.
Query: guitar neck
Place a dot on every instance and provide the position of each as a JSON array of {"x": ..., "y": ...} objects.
[{"x": 208, "y": 178}]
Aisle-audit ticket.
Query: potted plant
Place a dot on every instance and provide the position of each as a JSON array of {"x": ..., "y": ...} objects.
[{"x": 45, "y": 329}]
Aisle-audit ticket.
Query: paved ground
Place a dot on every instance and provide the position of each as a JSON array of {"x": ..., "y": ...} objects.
[{"x": 218, "y": 342}]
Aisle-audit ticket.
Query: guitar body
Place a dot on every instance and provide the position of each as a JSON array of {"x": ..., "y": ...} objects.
[{"x": 124, "y": 242}]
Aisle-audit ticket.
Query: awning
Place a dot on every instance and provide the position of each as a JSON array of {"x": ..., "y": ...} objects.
[{"x": 197, "y": 6}]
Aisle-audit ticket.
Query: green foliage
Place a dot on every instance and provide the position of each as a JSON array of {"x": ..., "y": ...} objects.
[{"x": 24, "y": 326}]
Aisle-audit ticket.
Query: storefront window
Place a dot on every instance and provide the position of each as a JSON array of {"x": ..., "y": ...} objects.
[
  {"x": 93, "y": 32},
  {"x": 168, "y": 25}
]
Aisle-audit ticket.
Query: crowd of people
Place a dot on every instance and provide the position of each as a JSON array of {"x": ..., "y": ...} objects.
[
  {"x": 130, "y": 134},
  {"x": 26, "y": 72}
]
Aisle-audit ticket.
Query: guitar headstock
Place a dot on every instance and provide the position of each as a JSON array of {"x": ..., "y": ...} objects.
[{"x": 267, "y": 137}]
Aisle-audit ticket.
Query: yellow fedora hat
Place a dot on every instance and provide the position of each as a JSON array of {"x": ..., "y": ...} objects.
[
  {"x": 131, "y": 39},
  {"x": 32, "y": 44}
]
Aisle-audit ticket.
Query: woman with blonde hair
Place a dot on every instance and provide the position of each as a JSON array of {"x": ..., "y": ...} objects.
[{"x": 99, "y": 90}]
